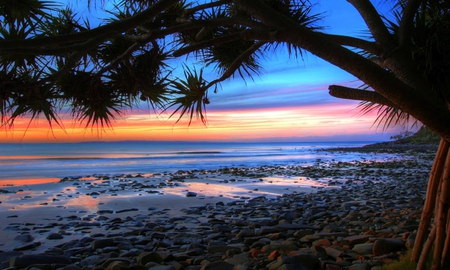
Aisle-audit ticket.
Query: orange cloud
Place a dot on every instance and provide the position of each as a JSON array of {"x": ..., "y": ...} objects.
[{"x": 232, "y": 125}]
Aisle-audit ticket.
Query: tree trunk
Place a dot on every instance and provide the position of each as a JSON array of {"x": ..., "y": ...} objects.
[{"x": 437, "y": 203}]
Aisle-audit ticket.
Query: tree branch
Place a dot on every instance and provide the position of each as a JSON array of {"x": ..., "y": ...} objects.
[
  {"x": 370, "y": 47},
  {"x": 246, "y": 34},
  {"x": 407, "y": 22},
  {"x": 61, "y": 50},
  {"x": 374, "y": 22},
  {"x": 114, "y": 27},
  {"x": 359, "y": 94},
  {"x": 205, "y": 6},
  {"x": 206, "y": 43},
  {"x": 387, "y": 84}
]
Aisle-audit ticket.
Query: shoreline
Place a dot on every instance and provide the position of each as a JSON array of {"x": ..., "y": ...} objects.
[
  {"x": 48, "y": 216},
  {"x": 389, "y": 147},
  {"x": 326, "y": 201}
]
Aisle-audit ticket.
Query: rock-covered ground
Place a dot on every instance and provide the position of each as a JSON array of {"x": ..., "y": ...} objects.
[{"x": 367, "y": 219}]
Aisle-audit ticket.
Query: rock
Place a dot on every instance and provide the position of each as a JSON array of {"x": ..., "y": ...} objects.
[
  {"x": 301, "y": 261},
  {"x": 94, "y": 260},
  {"x": 102, "y": 243},
  {"x": 358, "y": 239},
  {"x": 322, "y": 242},
  {"x": 162, "y": 267},
  {"x": 240, "y": 259},
  {"x": 27, "y": 246},
  {"x": 333, "y": 252},
  {"x": 54, "y": 236},
  {"x": 23, "y": 261},
  {"x": 286, "y": 226},
  {"x": 146, "y": 257},
  {"x": 246, "y": 232},
  {"x": 191, "y": 194},
  {"x": 187, "y": 238},
  {"x": 24, "y": 238},
  {"x": 70, "y": 267},
  {"x": 127, "y": 210},
  {"x": 387, "y": 245},
  {"x": 7, "y": 255},
  {"x": 365, "y": 248},
  {"x": 218, "y": 265},
  {"x": 360, "y": 266},
  {"x": 222, "y": 228},
  {"x": 215, "y": 247}
]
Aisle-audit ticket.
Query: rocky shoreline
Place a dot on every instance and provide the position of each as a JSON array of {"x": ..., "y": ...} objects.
[
  {"x": 390, "y": 147},
  {"x": 367, "y": 217}
]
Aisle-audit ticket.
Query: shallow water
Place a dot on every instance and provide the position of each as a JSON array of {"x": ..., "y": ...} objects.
[{"x": 51, "y": 162}]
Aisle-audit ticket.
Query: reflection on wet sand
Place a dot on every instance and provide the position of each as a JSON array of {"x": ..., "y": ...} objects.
[
  {"x": 89, "y": 194},
  {"x": 88, "y": 203}
]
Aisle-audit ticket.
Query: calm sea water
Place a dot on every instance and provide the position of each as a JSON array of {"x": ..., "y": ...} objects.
[{"x": 41, "y": 161}]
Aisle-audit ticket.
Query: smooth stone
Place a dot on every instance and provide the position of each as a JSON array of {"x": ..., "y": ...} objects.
[
  {"x": 162, "y": 267},
  {"x": 94, "y": 260},
  {"x": 302, "y": 261},
  {"x": 241, "y": 258},
  {"x": 360, "y": 266},
  {"x": 102, "y": 243},
  {"x": 333, "y": 252},
  {"x": 147, "y": 257},
  {"x": 23, "y": 261},
  {"x": 191, "y": 194},
  {"x": 27, "y": 246},
  {"x": 216, "y": 247},
  {"x": 310, "y": 238},
  {"x": 365, "y": 248},
  {"x": 358, "y": 239},
  {"x": 319, "y": 251},
  {"x": 187, "y": 238},
  {"x": 127, "y": 210},
  {"x": 287, "y": 226},
  {"x": 7, "y": 255},
  {"x": 24, "y": 237},
  {"x": 387, "y": 245},
  {"x": 222, "y": 228},
  {"x": 218, "y": 265},
  {"x": 246, "y": 232},
  {"x": 54, "y": 236},
  {"x": 70, "y": 267}
]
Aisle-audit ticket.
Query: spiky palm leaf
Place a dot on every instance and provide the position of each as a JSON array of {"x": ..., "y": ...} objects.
[
  {"x": 141, "y": 83},
  {"x": 301, "y": 11},
  {"x": 30, "y": 98},
  {"x": 24, "y": 12},
  {"x": 191, "y": 95},
  {"x": 222, "y": 56},
  {"x": 91, "y": 99},
  {"x": 387, "y": 116}
]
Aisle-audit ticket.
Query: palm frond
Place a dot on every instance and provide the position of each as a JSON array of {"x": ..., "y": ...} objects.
[
  {"x": 34, "y": 99},
  {"x": 387, "y": 116},
  {"x": 92, "y": 100},
  {"x": 301, "y": 12},
  {"x": 190, "y": 95},
  {"x": 24, "y": 12}
]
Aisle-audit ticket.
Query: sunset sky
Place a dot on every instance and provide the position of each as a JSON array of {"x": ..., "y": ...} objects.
[{"x": 288, "y": 102}]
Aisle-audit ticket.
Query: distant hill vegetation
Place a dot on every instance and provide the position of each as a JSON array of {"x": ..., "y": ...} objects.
[{"x": 423, "y": 136}]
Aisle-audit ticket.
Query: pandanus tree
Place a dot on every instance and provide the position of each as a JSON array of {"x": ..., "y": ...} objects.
[{"x": 53, "y": 63}]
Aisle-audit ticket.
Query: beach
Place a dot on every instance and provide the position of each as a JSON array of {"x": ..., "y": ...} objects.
[{"x": 326, "y": 214}]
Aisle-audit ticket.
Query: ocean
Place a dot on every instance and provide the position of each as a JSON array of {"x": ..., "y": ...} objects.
[{"x": 51, "y": 162}]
